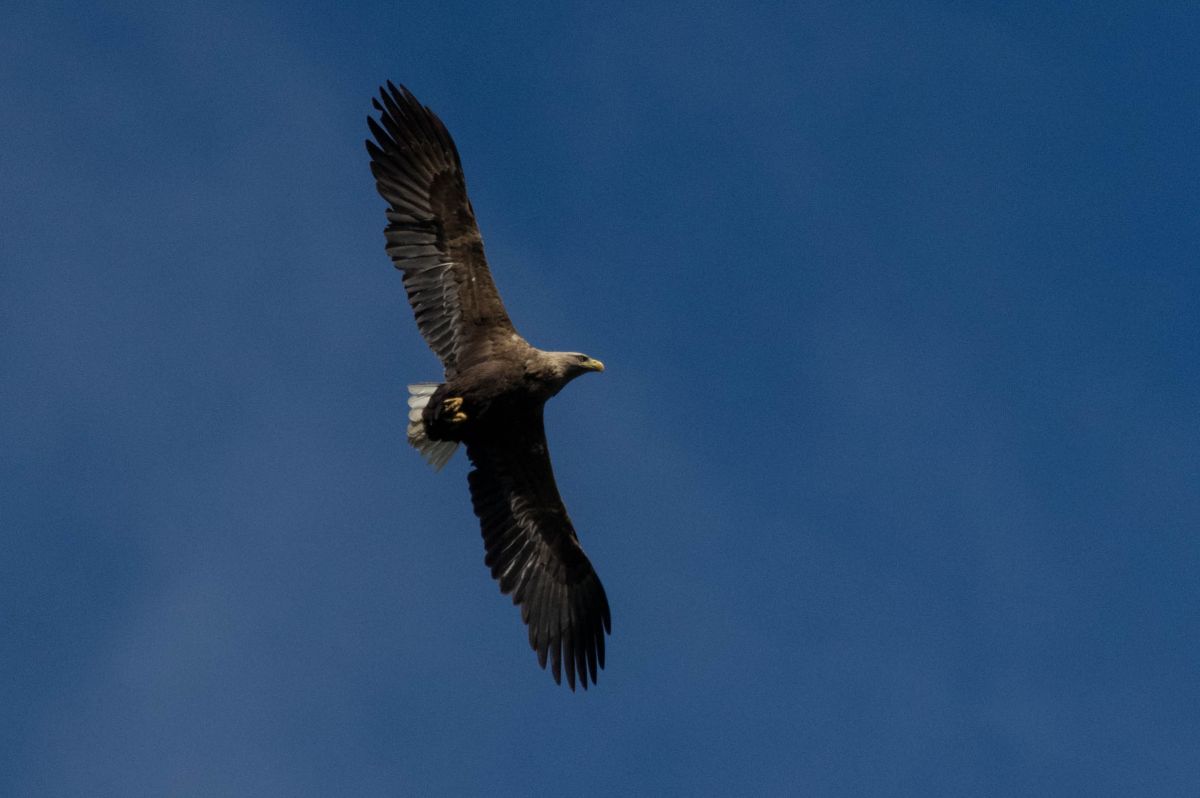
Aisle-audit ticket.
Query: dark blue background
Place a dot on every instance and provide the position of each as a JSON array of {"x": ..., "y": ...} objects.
[{"x": 893, "y": 479}]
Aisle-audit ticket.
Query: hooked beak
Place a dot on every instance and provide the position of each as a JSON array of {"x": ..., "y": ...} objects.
[{"x": 592, "y": 364}]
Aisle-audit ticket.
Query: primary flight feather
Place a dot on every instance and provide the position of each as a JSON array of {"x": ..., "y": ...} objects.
[{"x": 495, "y": 388}]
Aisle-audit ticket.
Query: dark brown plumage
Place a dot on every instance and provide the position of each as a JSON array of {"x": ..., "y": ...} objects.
[{"x": 494, "y": 391}]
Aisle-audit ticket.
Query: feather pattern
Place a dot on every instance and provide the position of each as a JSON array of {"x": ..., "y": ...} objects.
[
  {"x": 533, "y": 552},
  {"x": 432, "y": 236}
]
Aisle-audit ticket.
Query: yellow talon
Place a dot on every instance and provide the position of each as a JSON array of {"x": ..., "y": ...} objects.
[{"x": 452, "y": 407}]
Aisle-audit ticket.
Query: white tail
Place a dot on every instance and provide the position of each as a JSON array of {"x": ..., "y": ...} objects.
[{"x": 438, "y": 453}]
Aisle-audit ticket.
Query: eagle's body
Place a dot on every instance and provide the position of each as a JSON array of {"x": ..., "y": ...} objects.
[
  {"x": 495, "y": 388},
  {"x": 517, "y": 377}
]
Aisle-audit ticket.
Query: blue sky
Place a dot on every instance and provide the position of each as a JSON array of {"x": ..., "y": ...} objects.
[{"x": 893, "y": 479}]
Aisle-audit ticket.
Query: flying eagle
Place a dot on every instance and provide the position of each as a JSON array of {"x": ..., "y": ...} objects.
[{"x": 496, "y": 386}]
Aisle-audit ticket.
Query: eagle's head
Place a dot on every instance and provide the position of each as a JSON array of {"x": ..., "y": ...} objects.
[
  {"x": 578, "y": 363},
  {"x": 566, "y": 366}
]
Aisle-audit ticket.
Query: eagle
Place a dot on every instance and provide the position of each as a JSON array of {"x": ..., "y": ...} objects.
[{"x": 494, "y": 391}]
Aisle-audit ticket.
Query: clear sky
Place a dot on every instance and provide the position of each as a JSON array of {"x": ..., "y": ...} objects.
[{"x": 893, "y": 478}]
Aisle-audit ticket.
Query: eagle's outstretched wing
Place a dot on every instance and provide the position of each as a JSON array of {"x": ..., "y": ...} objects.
[
  {"x": 431, "y": 234},
  {"x": 533, "y": 552}
]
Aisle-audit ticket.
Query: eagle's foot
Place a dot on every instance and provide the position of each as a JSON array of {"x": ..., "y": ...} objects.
[{"x": 453, "y": 406}]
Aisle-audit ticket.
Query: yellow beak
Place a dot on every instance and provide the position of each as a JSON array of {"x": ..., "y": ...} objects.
[{"x": 594, "y": 365}]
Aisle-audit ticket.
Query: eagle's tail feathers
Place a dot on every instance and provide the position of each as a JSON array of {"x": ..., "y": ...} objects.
[{"x": 438, "y": 453}]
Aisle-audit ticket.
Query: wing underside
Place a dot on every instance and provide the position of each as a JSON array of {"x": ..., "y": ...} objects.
[
  {"x": 432, "y": 236},
  {"x": 533, "y": 552}
]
